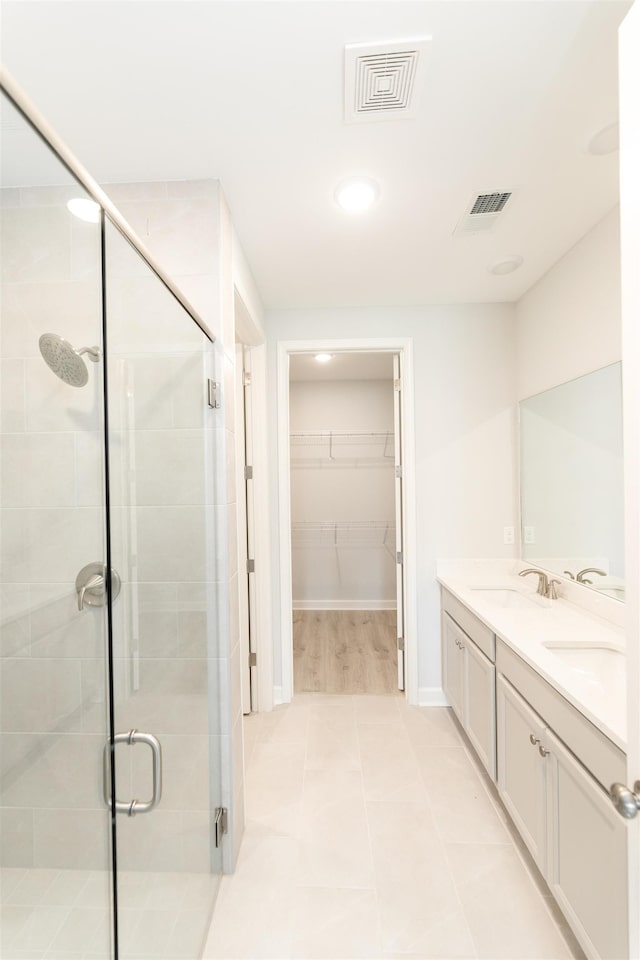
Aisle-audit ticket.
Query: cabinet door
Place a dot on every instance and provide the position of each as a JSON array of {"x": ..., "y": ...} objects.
[
  {"x": 480, "y": 704},
  {"x": 453, "y": 664},
  {"x": 522, "y": 769},
  {"x": 587, "y": 856}
]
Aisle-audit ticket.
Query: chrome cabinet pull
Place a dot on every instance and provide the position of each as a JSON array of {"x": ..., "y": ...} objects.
[
  {"x": 533, "y": 740},
  {"x": 133, "y": 807},
  {"x": 543, "y": 752}
]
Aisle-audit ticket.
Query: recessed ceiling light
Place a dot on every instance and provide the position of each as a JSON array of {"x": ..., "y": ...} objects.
[
  {"x": 84, "y": 209},
  {"x": 323, "y": 357},
  {"x": 604, "y": 141},
  {"x": 357, "y": 194},
  {"x": 501, "y": 267}
]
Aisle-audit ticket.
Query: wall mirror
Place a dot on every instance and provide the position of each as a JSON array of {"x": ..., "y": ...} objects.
[{"x": 571, "y": 480}]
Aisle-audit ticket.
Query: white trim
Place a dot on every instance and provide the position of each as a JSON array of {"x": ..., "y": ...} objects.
[
  {"x": 629, "y": 37},
  {"x": 344, "y": 604},
  {"x": 242, "y": 523},
  {"x": 403, "y": 346},
  {"x": 249, "y": 331},
  {"x": 432, "y": 697},
  {"x": 262, "y": 529},
  {"x": 278, "y": 697}
]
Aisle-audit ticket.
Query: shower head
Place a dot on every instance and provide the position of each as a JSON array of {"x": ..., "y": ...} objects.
[{"x": 65, "y": 361}]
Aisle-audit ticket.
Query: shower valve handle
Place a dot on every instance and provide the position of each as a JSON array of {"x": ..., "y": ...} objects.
[
  {"x": 91, "y": 586},
  {"x": 96, "y": 580}
]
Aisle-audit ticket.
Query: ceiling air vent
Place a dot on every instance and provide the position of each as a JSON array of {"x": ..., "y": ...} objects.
[
  {"x": 380, "y": 79},
  {"x": 483, "y": 212}
]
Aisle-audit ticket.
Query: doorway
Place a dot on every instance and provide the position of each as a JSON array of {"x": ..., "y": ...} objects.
[
  {"x": 345, "y": 561},
  {"x": 346, "y": 492}
]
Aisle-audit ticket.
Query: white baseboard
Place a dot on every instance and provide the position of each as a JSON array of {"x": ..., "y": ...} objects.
[
  {"x": 344, "y": 604},
  {"x": 432, "y": 697},
  {"x": 278, "y": 696}
]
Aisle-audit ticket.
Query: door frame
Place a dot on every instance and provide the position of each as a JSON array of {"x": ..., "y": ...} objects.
[
  {"x": 629, "y": 84},
  {"x": 249, "y": 334},
  {"x": 404, "y": 347}
]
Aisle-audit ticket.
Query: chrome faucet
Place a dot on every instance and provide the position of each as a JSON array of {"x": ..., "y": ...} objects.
[
  {"x": 552, "y": 589},
  {"x": 580, "y": 576},
  {"x": 546, "y": 588},
  {"x": 543, "y": 580}
]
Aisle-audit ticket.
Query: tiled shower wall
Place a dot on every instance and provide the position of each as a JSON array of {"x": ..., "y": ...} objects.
[
  {"x": 52, "y": 523},
  {"x": 182, "y": 485}
]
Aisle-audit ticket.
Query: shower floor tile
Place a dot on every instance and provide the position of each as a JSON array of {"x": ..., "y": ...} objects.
[{"x": 65, "y": 914}]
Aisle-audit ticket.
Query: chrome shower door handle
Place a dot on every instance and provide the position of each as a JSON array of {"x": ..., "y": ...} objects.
[{"x": 133, "y": 807}]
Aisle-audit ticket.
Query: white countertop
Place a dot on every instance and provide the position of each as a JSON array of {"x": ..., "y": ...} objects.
[{"x": 602, "y": 701}]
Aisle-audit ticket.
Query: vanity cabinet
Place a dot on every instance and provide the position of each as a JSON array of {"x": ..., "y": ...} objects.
[
  {"x": 453, "y": 665},
  {"x": 567, "y": 821},
  {"x": 469, "y": 684},
  {"x": 522, "y": 770},
  {"x": 587, "y": 868}
]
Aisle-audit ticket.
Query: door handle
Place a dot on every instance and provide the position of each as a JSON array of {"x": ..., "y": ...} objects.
[
  {"x": 626, "y": 802},
  {"x": 133, "y": 807}
]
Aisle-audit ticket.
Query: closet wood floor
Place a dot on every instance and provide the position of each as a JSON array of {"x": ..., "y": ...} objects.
[{"x": 345, "y": 651}]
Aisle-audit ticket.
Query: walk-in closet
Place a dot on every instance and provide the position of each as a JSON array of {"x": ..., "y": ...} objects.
[{"x": 343, "y": 455}]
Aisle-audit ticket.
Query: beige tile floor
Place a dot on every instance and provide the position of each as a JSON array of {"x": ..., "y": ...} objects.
[{"x": 371, "y": 833}]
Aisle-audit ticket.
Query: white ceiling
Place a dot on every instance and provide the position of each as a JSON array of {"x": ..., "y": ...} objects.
[
  {"x": 252, "y": 93},
  {"x": 342, "y": 366}
]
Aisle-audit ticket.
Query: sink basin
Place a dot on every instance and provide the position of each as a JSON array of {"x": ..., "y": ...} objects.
[
  {"x": 599, "y": 665},
  {"x": 506, "y": 597}
]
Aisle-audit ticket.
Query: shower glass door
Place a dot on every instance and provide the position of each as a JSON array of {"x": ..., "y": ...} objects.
[
  {"x": 163, "y": 463},
  {"x": 55, "y": 852}
]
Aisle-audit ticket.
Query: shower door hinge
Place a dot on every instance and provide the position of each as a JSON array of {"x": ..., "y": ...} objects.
[
  {"x": 401, "y": 644},
  {"x": 399, "y": 557},
  {"x": 212, "y": 394},
  {"x": 251, "y": 566},
  {"x": 399, "y": 472},
  {"x": 220, "y": 824},
  {"x": 397, "y": 385},
  {"x": 246, "y": 378},
  {"x": 253, "y": 659},
  {"x": 248, "y": 473}
]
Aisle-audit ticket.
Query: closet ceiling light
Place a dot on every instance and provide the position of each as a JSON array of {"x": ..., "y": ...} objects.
[
  {"x": 84, "y": 209},
  {"x": 323, "y": 357},
  {"x": 502, "y": 267},
  {"x": 356, "y": 195}
]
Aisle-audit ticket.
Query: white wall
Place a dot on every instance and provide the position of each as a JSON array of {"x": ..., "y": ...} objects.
[
  {"x": 465, "y": 437},
  {"x": 349, "y": 567},
  {"x": 569, "y": 323}
]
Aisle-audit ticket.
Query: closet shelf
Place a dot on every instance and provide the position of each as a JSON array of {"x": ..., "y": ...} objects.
[
  {"x": 335, "y": 452},
  {"x": 344, "y": 533}
]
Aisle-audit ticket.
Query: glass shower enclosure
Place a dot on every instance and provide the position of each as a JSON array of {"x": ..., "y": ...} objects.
[{"x": 109, "y": 556}]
